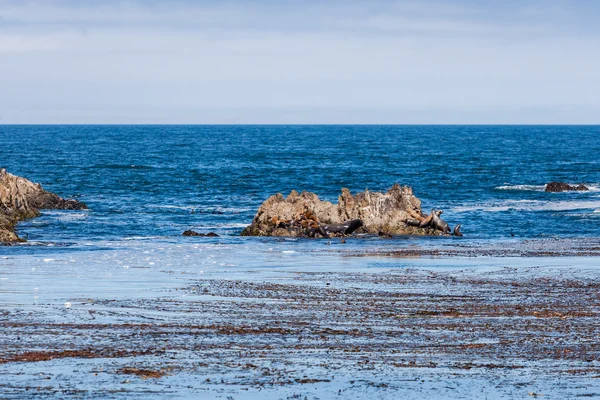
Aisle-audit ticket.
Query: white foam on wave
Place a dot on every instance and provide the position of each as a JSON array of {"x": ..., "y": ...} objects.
[
  {"x": 141, "y": 237},
  {"x": 201, "y": 209},
  {"x": 541, "y": 188},
  {"x": 533, "y": 205},
  {"x": 72, "y": 216},
  {"x": 234, "y": 226},
  {"x": 531, "y": 188},
  {"x": 224, "y": 226},
  {"x": 172, "y": 207}
]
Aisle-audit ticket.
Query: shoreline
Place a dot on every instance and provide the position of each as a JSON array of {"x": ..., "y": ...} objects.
[{"x": 417, "y": 331}]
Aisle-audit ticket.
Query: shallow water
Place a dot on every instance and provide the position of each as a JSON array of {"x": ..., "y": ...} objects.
[{"x": 182, "y": 302}]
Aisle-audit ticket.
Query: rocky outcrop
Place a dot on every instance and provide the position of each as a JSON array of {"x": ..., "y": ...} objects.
[
  {"x": 564, "y": 187},
  {"x": 397, "y": 212},
  {"x": 21, "y": 199}
]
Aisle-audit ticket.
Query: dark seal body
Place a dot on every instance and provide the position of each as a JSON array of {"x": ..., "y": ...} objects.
[
  {"x": 345, "y": 228},
  {"x": 457, "y": 231},
  {"x": 439, "y": 223}
]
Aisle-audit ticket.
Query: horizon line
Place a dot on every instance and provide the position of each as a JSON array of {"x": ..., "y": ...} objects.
[{"x": 299, "y": 124}]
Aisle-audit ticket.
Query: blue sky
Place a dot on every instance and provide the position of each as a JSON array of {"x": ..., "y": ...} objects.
[{"x": 300, "y": 61}]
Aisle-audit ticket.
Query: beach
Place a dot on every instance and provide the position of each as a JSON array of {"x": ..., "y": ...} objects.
[{"x": 284, "y": 322}]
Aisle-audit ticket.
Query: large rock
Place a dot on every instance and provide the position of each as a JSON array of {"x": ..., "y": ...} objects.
[
  {"x": 564, "y": 187},
  {"x": 379, "y": 212},
  {"x": 22, "y": 199}
]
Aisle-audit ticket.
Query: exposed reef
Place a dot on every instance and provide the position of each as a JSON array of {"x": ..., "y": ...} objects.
[
  {"x": 397, "y": 212},
  {"x": 22, "y": 199},
  {"x": 565, "y": 187}
]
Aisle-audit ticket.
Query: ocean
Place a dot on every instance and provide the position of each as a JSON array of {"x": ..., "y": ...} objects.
[
  {"x": 113, "y": 302},
  {"x": 157, "y": 181}
]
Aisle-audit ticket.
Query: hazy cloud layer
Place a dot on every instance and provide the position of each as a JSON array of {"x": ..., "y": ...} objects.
[{"x": 299, "y": 62}]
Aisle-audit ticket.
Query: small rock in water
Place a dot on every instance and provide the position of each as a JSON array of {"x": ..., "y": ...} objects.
[
  {"x": 565, "y": 187},
  {"x": 194, "y": 233}
]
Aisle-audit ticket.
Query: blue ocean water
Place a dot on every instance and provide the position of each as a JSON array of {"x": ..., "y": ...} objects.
[{"x": 144, "y": 181}]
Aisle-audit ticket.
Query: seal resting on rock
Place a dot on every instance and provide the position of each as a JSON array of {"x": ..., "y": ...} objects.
[
  {"x": 396, "y": 212},
  {"x": 439, "y": 223},
  {"x": 345, "y": 228}
]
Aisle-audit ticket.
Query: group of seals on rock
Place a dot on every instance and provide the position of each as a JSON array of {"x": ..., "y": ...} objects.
[
  {"x": 434, "y": 221},
  {"x": 22, "y": 199},
  {"x": 396, "y": 212},
  {"x": 307, "y": 224},
  {"x": 556, "y": 187}
]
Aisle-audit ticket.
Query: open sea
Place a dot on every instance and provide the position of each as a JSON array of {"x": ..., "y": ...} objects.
[{"x": 154, "y": 182}]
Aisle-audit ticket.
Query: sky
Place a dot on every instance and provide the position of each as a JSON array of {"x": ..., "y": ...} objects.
[{"x": 304, "y": 62}]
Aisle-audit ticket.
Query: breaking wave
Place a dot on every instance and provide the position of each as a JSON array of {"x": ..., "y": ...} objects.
[
  {"x": 529, "y": 188},
  {"x": 541, "y": 188},
  {"x": 203, "y": 209},
  {"x": 533, "y": 205}
]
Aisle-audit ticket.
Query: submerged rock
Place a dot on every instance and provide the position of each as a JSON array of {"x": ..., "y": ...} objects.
[
  {"x": 193, "y": 233},
  {"x": 22, "y": 199},
  {"x": 564, "y": 187},
  {"x": 397, "y": 212}
]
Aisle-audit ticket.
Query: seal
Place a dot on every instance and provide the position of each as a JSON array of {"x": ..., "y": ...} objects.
[
  {"x": 457, "y": 231},
  {"x": 427, "y": 221},
  {"x": 439, "y": 223},
  {"x": 315, "y": 228},
  {"x": 412, "y": 222},
  {"x": 345, "y": 228}
]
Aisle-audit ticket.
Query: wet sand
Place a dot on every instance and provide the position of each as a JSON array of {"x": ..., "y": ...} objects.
[{"x": 501, "y": 328}]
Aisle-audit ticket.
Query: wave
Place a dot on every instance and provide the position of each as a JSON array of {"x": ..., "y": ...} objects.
[
  {"x": 224, "y": 226},
  {"x": 541, "y": 188},
  {"x": 203, "y": 210},
  {"x": 529, "y": 188},
  {"x": 123, "y": 166},
  {"x": 533, "y": 205},
  {"x": 71, "y": 217},
  {"x": 141, "y": 237}
]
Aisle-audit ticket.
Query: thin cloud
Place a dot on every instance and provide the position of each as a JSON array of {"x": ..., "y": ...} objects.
[{"x": 192, "y": 61}]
